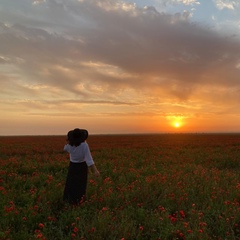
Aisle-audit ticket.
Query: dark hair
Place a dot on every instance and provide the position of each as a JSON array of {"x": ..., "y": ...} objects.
[
  {"x": 77, "y": 136},
  {"x": 70, "y": 137}
]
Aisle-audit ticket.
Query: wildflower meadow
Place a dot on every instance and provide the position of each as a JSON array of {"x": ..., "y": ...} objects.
[{"x": 166, "y": 186}]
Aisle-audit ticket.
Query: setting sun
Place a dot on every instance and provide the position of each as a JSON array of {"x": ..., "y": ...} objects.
[
  {"x": 176, "y": 124},
  {"x": 176, "y": 121}
]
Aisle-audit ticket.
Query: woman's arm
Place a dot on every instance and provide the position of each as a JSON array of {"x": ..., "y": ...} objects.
[
  {"x": 94, "y": 170},
  {"x": 66, "y": 147}
]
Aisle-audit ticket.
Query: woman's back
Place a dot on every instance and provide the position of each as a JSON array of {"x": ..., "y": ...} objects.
[{"x": 79, "y": 153}]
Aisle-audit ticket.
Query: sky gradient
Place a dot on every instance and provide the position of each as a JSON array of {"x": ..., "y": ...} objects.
[{"x": 150, "y": 66}]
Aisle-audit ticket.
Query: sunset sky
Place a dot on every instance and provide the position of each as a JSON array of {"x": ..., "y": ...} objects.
[{"x": 109, "y": 66}]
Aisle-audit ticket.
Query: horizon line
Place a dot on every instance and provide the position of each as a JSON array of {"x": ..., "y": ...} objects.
[{"x": 99, "y": 134}]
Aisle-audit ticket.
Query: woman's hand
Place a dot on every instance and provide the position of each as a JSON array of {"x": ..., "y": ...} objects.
[
  {"x": 97, "y": 173},
  {"x": 94, "y": 170}
]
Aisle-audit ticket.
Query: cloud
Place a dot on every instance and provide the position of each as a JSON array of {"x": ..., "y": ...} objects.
[
  {"x": 185, "y": 2},
  {"x": 228, "y": 4},
  {"x": 3, "y": 60},
  {"x": 112, "y": 51},
  {"x": 38, "y": 2}
]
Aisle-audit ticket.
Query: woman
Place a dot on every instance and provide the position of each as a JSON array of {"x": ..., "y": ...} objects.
[{"x": 80, "y": 161}]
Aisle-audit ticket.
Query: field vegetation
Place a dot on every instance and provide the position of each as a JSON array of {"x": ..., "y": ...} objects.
[{"x": 173, "y": 186}]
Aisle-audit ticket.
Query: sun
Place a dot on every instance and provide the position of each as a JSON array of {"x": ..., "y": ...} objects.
[{"x": 176, "y": 124}]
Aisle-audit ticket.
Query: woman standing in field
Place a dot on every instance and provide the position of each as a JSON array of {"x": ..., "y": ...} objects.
[{"x": 80, "y": 161}]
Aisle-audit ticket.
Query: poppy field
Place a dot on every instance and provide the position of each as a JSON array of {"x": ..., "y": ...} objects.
[{"x": 166, "y": 186}]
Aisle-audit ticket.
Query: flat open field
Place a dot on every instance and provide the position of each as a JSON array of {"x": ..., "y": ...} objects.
[{"x": 175, "y": 186}]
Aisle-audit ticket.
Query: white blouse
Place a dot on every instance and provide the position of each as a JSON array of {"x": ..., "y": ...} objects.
[{"x": 80, "y": 153}]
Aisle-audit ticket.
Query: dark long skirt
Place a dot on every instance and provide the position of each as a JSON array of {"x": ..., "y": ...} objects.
[{"x": 76, "y": 183}]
